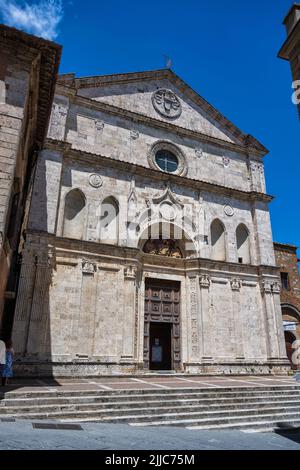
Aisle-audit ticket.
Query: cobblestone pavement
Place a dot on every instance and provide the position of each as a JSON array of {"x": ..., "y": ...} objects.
[
  {"x": 153, "y": 382},
  {"x": 21, "y": 435}
]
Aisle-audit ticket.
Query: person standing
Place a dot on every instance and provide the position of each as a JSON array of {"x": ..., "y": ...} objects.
[
  {"x": 7, "y": 370},
  {"x": 2, "y": 356}
]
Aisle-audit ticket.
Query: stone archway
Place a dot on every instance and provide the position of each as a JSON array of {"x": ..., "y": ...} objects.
[
  {"x": 291, "y": 324},
  {"x": 289, "y": 340},
  {"x": 167, "y": 239}
]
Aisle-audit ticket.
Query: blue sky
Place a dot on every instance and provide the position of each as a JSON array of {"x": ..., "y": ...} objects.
[{"x": 226, "y": 50}]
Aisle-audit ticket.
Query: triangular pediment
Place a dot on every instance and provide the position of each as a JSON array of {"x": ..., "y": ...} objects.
[{"x": 162, "y": 95}]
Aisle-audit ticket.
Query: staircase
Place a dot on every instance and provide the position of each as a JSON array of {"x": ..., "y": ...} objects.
[{"x": 247, "y": 408}]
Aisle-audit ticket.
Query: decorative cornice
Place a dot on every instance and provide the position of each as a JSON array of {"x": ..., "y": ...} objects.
[
  {"x": 85, "y": 248},
  {"x": 133, "y": 168},
  {"x": 44, "y": 57}
]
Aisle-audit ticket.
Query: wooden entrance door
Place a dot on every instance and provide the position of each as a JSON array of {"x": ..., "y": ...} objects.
[
  {"x": 160, "y": 346},
  {"x": 162, "y": 323}
]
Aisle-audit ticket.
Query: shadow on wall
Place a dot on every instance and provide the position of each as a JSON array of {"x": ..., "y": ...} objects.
[{"x": 27, "y": 318}]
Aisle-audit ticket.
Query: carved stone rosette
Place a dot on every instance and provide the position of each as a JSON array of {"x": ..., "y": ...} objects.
[
  {"x": 236, "y": 284},
  {"x": 88, "y": 267},
  {"x": 204, "y": 280}
]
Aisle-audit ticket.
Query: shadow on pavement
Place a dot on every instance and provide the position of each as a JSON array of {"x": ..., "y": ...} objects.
[{"x": 289, "y": 432}]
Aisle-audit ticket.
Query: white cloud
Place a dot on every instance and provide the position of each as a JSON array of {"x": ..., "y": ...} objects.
[{"x": 40, "y": 18}]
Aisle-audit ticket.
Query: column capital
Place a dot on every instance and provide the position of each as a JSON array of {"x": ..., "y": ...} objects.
[
  {"x": 236, "y": 284},
  {"x": 130, "y": 272},
  {"x": 204, "y": 280}
]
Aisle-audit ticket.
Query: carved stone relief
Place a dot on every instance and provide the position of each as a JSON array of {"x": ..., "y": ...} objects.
[{"x": 166, "y": 103}]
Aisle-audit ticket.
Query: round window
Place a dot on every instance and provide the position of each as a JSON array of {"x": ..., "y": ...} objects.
[{"x": 166, "y": 161}]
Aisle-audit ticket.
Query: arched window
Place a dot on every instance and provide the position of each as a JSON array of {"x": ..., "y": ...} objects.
[
  {"x": 243, "y": 245},
  {"x": 74, "y": 215},
  {"x": 217, "y": 234},
  {"x": 109, "y": 221}
]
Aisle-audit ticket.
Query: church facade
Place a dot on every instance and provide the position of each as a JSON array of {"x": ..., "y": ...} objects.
[{"x": 149, "y": 243}]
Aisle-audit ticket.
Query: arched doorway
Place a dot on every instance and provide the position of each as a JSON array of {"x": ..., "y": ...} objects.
[
  {"x": 162, "y": 307},
  {"x": 291, "y": 325},
  {"x": 289, "y": 340}
]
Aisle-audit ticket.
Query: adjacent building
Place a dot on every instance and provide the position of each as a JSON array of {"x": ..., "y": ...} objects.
[
  {"x": 291, "y": 48},
  {"x": 28, "y": 70},
  {"x": 287, "y": 261}
]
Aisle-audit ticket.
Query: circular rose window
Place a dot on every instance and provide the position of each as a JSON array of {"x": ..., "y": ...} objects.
[{"x": 166, "y": 160}]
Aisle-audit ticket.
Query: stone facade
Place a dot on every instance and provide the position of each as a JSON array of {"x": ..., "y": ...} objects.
[
  {"x": 100, "y": 195},
  {"x": 287, "y": 261},
  {"x": 28, "y": 68},
  {"x": 291, "y": 48}
]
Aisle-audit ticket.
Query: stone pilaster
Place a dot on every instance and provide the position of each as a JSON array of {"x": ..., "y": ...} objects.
[
  {"x": 204, "y": 283},
  {"x": 129, "y": 320},
  {"x": 270, "y": 323},
  {"x": 84, "y": 348},
  {"x": 278, "y": 319},
  {"x": 24, "y": 301},
  {"x": 236, "y": 285}
]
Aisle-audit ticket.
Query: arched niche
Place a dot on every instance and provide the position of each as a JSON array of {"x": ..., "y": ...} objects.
[
  {"x": 218, "y": 245},
  {"x": 243, "y": 244},
  {"x": 74, "y": 215},
  {"x": 109, "y": 221}
]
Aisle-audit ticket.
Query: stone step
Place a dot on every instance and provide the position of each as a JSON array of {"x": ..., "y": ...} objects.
[
  {"x": 150, "y": 401},
  {"x": 209, "y": 391},
  {"x": 147, "y": 407},
  {"x": 137, "y": 416},
  {"x": 134, "y": 394},
  {"x": 242, "y": 421}
]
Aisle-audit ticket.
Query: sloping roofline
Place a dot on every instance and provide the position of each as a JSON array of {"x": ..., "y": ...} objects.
[{"x": 102, "y": 80}]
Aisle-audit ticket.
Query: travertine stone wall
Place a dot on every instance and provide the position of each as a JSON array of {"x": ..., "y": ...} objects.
[{"x": 81, "y": 301}]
